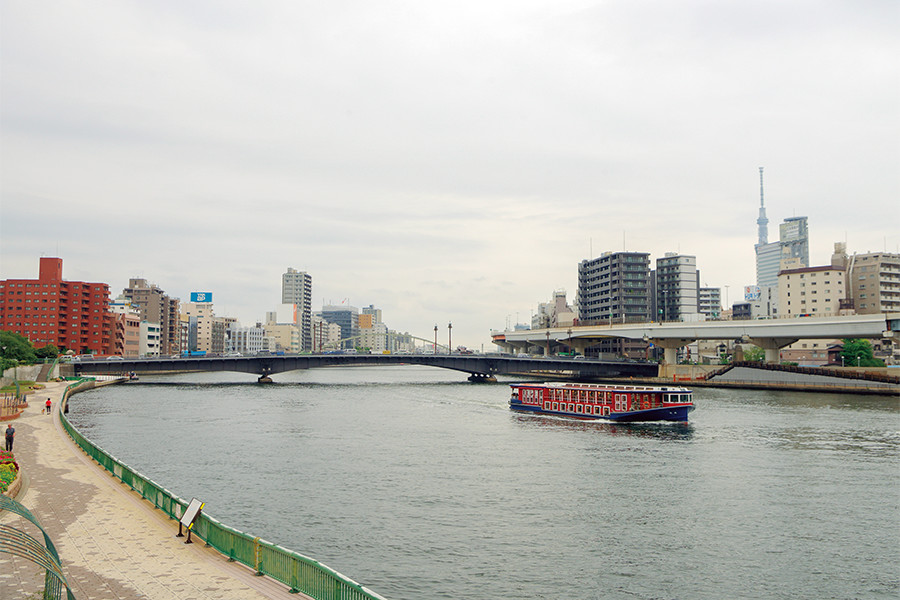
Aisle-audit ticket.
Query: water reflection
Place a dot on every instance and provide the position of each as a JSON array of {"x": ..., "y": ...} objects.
[{"x": 661, "y": 430}]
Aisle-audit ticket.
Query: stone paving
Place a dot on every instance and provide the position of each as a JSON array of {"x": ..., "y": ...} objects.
[{"x": 111, "y": 542}]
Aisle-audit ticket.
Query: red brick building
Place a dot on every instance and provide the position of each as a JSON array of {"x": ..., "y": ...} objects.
[{"x": 68, "y": 314}]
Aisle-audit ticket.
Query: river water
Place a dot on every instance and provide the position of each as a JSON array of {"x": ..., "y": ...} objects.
[{"x": 420, "y": 485}]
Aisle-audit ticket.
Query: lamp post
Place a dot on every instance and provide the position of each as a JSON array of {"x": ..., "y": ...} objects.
[
  {"x": 449, "y": 338},
  {"x": 435, "y": 338}
]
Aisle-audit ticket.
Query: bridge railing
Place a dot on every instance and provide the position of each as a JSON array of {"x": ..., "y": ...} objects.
[{"x": 301, "y": 573}]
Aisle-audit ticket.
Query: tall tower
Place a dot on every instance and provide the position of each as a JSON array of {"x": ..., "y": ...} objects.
[
  {"x": 762, "y": 222},
  {"x": 768, "y": 255},
  {"x": 296, "y": 289}
]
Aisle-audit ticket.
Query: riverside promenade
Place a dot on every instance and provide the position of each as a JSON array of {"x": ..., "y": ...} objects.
[{"x": 111, "y": 542}]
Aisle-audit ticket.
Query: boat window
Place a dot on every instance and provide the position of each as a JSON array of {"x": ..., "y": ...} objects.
[
  {"x": 571, "y": 408},
  {"x": 546, "y": 405},
  {"x": 555, "y": 406},
  {"x": 578, "y": 408}
]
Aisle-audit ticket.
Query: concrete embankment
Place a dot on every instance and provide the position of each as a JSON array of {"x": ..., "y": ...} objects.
[
  {"x": 773, "y": 377},
  {"x": 112, "y": 543}
]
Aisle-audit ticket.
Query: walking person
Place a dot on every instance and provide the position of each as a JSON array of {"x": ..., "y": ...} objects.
[
  {"x": 49, "y": 405},
  {"x": 10, "y": 434}
]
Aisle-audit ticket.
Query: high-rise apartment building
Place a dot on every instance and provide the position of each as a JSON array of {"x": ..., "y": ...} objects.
[
  {"x": 67, "y": 314},
  {"x": 296, "y": 289},
  {"x": 155, "y": 306},
  {"x": 616, "y": 288},
  {"x": 709, "y": 302},
  {"x": 794, "y": 239},
  {"x": 874, "y": 282},
  {"x": 676, "y": 287}
]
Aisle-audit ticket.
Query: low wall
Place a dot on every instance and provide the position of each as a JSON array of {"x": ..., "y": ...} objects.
[
  {"x": 20, "y": 373},
  {"x": 677, "y": 373}
]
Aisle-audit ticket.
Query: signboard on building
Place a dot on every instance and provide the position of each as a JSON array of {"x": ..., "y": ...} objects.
[
  {"x": 201, "y": 297},
  {"x": 751, "y": 293}
]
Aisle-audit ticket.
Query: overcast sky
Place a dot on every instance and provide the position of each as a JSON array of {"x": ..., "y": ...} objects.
[{"x": 442, "y": 161}]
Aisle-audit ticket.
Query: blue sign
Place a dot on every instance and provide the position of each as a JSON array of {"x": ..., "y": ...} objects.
[{"x": 201, "y": 296}]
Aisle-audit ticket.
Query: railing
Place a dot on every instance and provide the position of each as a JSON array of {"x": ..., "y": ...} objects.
[
  {"x": 301, "y": 573},
  {"x": 18, "y": 543}
]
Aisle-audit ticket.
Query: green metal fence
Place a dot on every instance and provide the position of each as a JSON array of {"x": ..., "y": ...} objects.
[
  {"x": 301, "y": 573},
  {"x": 18, "y": 543}
]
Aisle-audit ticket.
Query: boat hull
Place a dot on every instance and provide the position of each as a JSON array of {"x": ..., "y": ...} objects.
[{"x": 672, "y": 413}]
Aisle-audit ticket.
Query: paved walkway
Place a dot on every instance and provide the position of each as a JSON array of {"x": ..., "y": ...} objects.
[{"x": 111, "y": 542}]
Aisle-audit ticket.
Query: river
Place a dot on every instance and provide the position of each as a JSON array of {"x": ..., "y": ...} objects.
[{"x": 420, "y": 485}]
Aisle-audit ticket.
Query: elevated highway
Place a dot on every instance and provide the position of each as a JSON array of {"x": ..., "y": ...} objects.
[
  {"x": 769, "y": 334},
  {"x": 478, "y": 366}
]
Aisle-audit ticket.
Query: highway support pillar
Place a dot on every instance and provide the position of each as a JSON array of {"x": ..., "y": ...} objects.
[
  {"x": 578, "y": 345},
  {"x": 670, "y": 354}
]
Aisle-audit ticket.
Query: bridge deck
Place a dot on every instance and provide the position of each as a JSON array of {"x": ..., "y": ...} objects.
[{"x": 474, "y": 364}]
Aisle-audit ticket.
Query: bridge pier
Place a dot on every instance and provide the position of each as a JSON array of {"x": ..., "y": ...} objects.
[
  {"x": 482, "y": 378},
  {"x": 264, "y": 379},
  {"x": 670, "y": 353},
  {"x": 772, "y": 346}
]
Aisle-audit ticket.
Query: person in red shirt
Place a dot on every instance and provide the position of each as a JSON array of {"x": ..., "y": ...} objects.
[{"x": 49, "y": 405}]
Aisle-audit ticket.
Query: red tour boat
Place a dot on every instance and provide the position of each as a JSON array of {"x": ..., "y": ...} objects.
[{"x": 623, "y": 403}]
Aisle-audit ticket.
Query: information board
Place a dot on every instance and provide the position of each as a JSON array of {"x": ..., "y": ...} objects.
[{"x": 193, "y": 509}]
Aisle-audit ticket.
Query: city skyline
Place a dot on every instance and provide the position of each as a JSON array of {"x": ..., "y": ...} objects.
[{"x": 447, "y": 165}]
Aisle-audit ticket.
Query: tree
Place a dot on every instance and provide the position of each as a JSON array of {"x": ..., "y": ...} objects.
[
  {"x": 754, "y": 354},
  {"x": 859, "y": 352},
  {"x": 48, "y": 351},
  {"x": 16, "y": 347}
]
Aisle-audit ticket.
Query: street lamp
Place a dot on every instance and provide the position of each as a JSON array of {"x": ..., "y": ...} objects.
[
  {"x": 435, "y": 338},
  {"x": 449, "y": 338}
]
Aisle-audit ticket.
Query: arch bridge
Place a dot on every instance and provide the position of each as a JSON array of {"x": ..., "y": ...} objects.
[{"x": 480, "y": 367}]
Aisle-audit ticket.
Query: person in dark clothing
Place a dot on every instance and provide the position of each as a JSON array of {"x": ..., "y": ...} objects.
[{"x": 10, "y": 434}]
